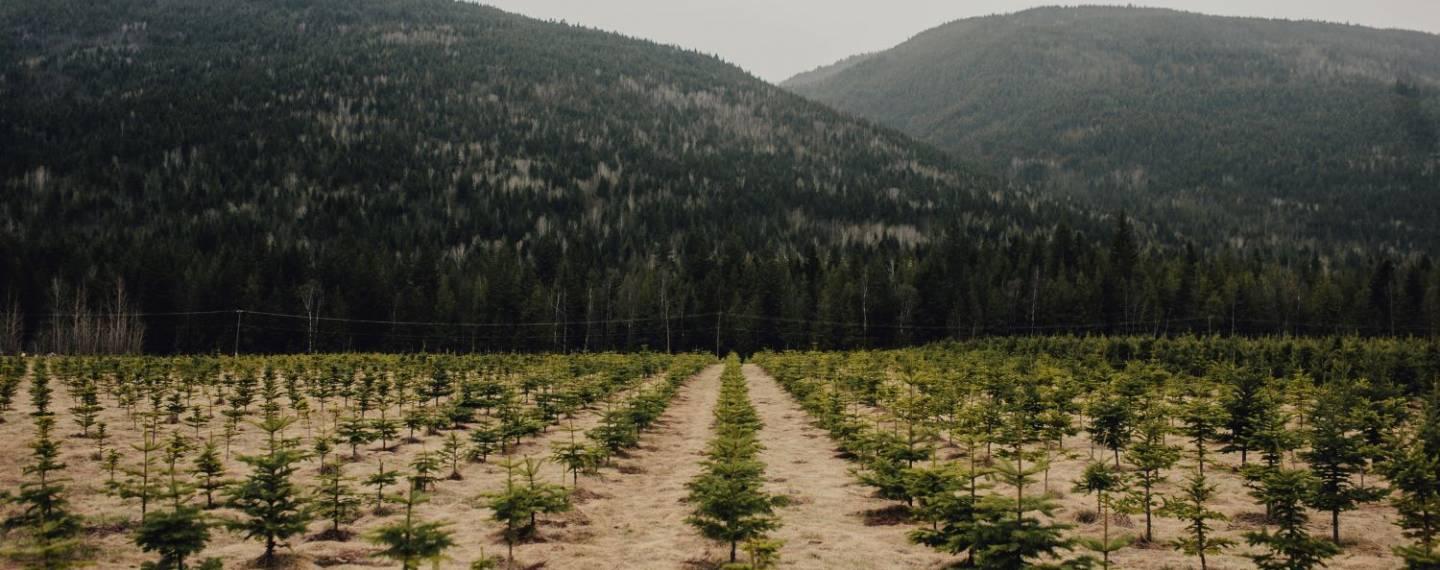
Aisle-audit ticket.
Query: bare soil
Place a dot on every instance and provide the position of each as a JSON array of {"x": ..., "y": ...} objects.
[{"x": 829, "y": 522}]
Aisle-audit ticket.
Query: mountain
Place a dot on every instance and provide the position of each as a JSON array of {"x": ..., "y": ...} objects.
[
  {"x": 1307, "y": 135},
  {"x": 214, "y": 150},
  {"x": 424, "y": 175}
]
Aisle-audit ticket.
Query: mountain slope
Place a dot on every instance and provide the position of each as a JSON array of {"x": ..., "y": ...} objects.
[
  {"x": 309, "y": 118},
  {"x": 423, "y": 159},
  {"x": 1293, "y": 133}
]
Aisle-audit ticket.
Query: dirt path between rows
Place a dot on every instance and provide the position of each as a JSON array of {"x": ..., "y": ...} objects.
[
  {"x": 824, "y": 527},
  {"x": 634, "y": 516}
]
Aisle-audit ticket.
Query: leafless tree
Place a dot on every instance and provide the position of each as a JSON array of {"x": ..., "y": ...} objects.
[
  {"x": 12, "y": 329},
  {"x": 312, "y": 295}
]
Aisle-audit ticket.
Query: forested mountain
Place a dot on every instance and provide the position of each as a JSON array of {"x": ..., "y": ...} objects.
[
  {"x": 428, "y": 174},
  {"x": 1289, "y": 134}
]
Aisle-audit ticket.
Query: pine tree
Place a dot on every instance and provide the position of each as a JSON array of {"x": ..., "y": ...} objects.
[
  {"x": 274, "y": 509},
  {"x": 1290, "y": 547},
  {"x": 411, "y": 542}
]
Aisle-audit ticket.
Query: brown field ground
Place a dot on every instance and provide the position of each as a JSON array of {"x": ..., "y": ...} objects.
[{"x": 632, "y": 514}]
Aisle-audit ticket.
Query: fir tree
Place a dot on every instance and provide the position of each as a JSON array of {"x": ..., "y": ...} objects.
[
  {"x": 1104, "y": 481},
  {"x": 181, "y": 531},
  {"x": 1190, "y": 508},
  {"x": 209, "y": 472},
  {"x": 452, "y": 451},
  {"x": 1290, "y": 547},
  {"x": 52, "y": 532},
  {"x": 484, "y": 441},
  {"x": 379, "y": 480},
  {"x": 522, "y": 498},
  {"x": 411, "y": 542},
  {"x": 333, "y": 500},
  {"x": 1336, "y": 454},
  {"x": 571, "y": 454},
  {"x": 1414, "y": 472},
  {"x": 1151, "y": 458},
  {"x": 1111, "y": 423},
  {"x": 353, "y": 432},
  {"x": 274, "y": 509}
]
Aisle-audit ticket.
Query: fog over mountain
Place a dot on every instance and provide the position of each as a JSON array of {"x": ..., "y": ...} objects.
[
  {"x": 776, "y": 40},
  {"x": 1239, "y": 129}
]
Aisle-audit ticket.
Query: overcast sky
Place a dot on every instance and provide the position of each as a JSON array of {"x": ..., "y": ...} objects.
[{"x": 775, "y": 39}]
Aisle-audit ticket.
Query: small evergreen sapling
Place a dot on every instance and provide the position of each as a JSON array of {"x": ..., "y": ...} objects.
[
  {"x": 1151, "y": 458},
  {"x": 411, "y": 542},
  {"x": 273, "y": 509},
  {"x": 1290, "y": 547},
  {"x": 1337, "y": 452},
  {"x": 1190, "y": 508},
  {"x": 333, "y": 500}
]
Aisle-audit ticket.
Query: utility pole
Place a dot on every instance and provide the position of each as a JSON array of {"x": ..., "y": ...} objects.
[{"x": 238, "y": 313}]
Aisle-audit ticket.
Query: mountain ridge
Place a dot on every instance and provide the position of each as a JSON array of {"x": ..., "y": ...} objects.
[{"x": 1167, "y": 113}]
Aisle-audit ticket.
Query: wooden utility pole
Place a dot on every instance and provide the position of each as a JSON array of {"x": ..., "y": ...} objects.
[{"x": 238, "y": 313}]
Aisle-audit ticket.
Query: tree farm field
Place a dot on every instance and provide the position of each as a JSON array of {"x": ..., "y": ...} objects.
[{"x": 1003, "y": 453}]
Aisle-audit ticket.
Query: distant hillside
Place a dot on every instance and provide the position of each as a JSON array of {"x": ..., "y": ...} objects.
[
  {"x": 1231, "y": 129},
  {"x": 249, "y": 146}
]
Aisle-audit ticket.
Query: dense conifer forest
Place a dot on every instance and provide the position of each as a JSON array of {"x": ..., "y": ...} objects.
[{"x": 432, "y": 175}]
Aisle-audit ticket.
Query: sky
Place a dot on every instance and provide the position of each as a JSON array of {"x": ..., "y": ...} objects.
[{"x": 775, "y": 39}]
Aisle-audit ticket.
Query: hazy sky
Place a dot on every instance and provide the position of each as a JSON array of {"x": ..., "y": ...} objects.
[{"x": 775, "y": 39}]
